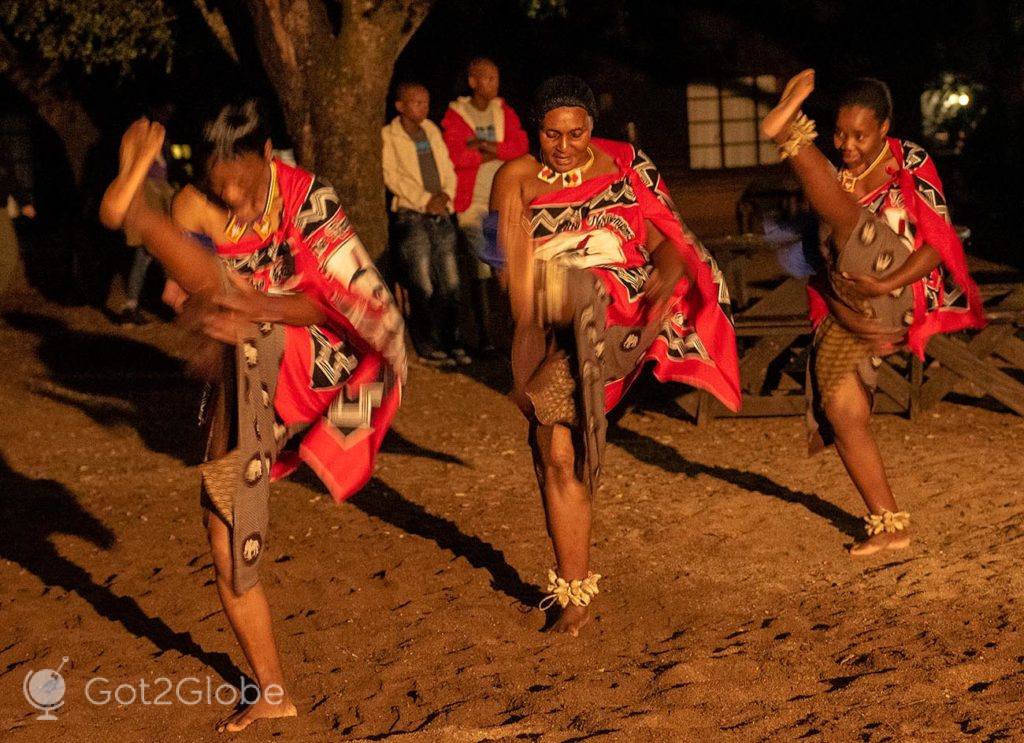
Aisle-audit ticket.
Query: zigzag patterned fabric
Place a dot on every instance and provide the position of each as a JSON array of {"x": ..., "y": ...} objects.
[
  {"x": 913, "y": 203},
  {"x": 340, "y": 381},
  {"x": 600, "y": 225}
]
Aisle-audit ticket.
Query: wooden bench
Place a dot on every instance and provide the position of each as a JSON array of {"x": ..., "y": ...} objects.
[
  {"x": 774, "y": 341},
  {"x": 980, "y": 358}
]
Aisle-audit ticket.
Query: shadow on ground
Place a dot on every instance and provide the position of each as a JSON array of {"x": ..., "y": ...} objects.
[
  {"x": 44, "y": 508},
  {"x": 653, "y": 452},
  {"x": 118, "y": 381},
  {"x": 382, "y": 502}
]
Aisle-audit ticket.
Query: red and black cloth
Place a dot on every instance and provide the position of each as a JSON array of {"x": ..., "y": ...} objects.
[
  {"x": 340, "y": 382},
  {"x": 601, "y": 226},
  {"x": 913, "y": 203}
]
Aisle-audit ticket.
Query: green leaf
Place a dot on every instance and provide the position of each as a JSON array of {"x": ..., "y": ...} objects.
[{"x": 90, "y": 33}]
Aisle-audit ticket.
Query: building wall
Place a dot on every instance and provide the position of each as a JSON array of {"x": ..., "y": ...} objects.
[{"x": 707, "y": 199}]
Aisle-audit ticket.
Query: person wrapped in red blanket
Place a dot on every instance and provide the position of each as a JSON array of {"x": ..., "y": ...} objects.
[
  {"x": 311, "y": 357},
  {"x": 481, "y": 131},
  {"x": 604, "y": 279},
  {"x": 894, "y": 274}
]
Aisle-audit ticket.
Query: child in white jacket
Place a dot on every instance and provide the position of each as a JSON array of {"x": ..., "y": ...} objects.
[{"x": 419, "y": 174}]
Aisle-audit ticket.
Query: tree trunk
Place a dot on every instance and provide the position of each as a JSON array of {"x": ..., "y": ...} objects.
[
  {"x": 65, "y": 115},
  {"x": 352, "y": 94},
  {"x": 348, "y": 151},
  {"x": 284, "y": 30},
  {"x": 333, "y": 91}
]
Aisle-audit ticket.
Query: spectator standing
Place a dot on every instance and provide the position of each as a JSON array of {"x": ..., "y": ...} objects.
[
  {"x": 419, "y": 174},
  {"x": 481, "y": 131},
  {"x": 15, "y": 201}
]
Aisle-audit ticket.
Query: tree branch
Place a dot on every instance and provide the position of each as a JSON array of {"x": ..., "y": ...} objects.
[
  {"x": 215, "y": 21},
  {"x": 394, "y": 18},
  {"x": 64, "y": 114}
]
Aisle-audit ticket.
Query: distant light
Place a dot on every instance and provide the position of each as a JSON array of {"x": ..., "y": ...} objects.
[
  {"x": 952, "y": 99},
  {"x": 963, "y": 99},
  {"x": 181, "y": 151}
]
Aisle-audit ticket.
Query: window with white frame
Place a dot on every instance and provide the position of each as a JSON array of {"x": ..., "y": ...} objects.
[{"x": 723, "y": 122}]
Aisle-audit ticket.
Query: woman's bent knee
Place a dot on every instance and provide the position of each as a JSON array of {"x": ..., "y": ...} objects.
[
  {"x": 847, "y": 412},
  {"x": 560, "y": 467}
]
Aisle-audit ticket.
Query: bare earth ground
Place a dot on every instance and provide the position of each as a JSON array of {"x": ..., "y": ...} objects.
[{"x": 730, "y": 609}]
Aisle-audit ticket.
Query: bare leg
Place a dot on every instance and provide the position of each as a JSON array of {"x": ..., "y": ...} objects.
[
  {"x": 196, "y": 270},
  {"x": 139, "y": 147},
  {"x": 249, "y": 616},
  {"x": 814, "y": 171},
  {"x": 849, "y": 411},
  {"x": 834, "y": 205},
  {"x": 567, "y": 510}
]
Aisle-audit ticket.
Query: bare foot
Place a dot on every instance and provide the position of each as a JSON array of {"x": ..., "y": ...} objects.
[
  {"x": 793, "y": 95},
  {"x": 572, "y": 620},
  {"x": 259, "y": 710},
  {"x": 885, "y": 541},
  {"x": 139, "y": 147}
]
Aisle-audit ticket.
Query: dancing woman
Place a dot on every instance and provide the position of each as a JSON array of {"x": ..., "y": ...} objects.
[
  {"x": 311, "y": 349},
  {"x": 895, "y": 275},
  {"x": 603, "y": 278}
]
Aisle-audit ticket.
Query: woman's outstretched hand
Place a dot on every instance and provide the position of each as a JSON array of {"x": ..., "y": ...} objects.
[
  {"x": 242, "y": 299},
  {"x": 233, "y": 310},
  {"x": 878, "y": 336}
]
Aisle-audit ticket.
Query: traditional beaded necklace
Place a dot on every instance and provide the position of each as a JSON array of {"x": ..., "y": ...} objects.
[
  {"x": 849, "y": 181},
  {"x": 262, "y": 225},
  {"x": 573, "y": 178}
]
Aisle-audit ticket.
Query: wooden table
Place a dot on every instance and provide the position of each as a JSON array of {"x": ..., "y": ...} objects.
[
  {"x": 773, "y": 336},
  {"x": 981, "y": 358}
]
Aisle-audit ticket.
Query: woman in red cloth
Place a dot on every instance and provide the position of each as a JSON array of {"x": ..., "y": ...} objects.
[
  {"x": 895, "y": 275},
  {"x": 603, "y": 278},
  {"x": 311, "y": 358}
]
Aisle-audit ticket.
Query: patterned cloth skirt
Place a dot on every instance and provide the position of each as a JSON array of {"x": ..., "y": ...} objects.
[
  {"x": 875, "y": 249},
  {"x": 570, "y": 358},
  {"x": 243, "y": 439},
  {"x": 836, "y": 354}
]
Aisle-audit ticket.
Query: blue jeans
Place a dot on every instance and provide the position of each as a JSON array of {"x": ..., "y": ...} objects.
[
  {"x": 425, "y": 247},
  {"x": 137, "y": 277}
]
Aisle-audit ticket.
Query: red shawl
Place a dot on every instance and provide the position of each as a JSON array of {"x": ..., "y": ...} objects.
[
  {"x": 697, "y": 343},
  {"x": 947, "y": 300},
  {"x": 343, "y": 378}
]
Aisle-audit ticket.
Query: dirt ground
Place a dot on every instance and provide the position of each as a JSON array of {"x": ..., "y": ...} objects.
[{"x": 730, "y": 609}]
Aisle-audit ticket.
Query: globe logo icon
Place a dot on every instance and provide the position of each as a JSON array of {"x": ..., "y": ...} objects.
[{"x": 45, "y": 689}]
